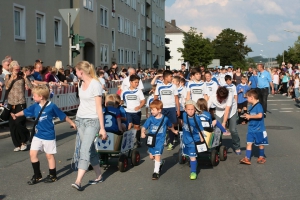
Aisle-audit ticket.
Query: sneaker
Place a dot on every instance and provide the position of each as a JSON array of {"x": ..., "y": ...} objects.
[
  {"x": 193, "y": 176},
  {"x": 155, "y": 176},
  {"x": 77, "y": 187},
  {"x": 94, "y": 182},
  {"x": 23, "y": 147},
  {"x": 17, "y": 149},
  {"x": 238, "y": 152},
  {"x": 170, "y": 147},
  {"x": 35, "y": 179},
  {"x": 50, "y": 179},
  {"x": 261, "y": 160},
  {"x": 161, "y": 165},
  {"x": 245, "y": 161}
]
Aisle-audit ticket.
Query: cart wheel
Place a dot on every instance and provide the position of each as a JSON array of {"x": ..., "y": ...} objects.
[
  {"x": 214, "y": 158},
  {"x": 135, "y": 158},
  {"x": 123, "y": 163},
  {"x": 181, "y": 158},
  {"x": 223, "y": 153}
]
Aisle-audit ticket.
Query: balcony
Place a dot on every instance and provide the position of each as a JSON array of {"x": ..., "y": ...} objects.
[
  {"x": 148, "y": 46},
  {"x": 148, "y": 22}
]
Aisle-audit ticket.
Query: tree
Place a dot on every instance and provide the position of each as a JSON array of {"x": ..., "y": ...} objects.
[
  {"x": 292, "y": 55},
  {"x": 229, "y": 46},
  {"x": 167, "y": 54},
  {"x": 197, "y": 49}
]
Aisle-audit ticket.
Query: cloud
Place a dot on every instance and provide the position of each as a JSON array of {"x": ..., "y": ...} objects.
[
  {"x": 274, "y": 38},
  {"x": 269, "y": 7}
]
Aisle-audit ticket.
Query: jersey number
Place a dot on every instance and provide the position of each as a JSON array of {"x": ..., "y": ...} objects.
[{"x": 108, "y": 121}]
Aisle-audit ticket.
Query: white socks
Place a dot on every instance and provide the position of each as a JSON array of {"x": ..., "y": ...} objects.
[{"x": 156, "y": 167}]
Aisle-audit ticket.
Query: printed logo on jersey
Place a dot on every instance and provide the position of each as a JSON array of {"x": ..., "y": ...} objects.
[
  {"x": 186, "y": 127},
  {"x": 197, "y": 91},
  {"x": 230, "y": 89},
  {"x": 131, "y": 97},
  {"x": 166, "y": 92},
  {"x": 154, "y": 129},
  {"x": 210, "y": 89}
]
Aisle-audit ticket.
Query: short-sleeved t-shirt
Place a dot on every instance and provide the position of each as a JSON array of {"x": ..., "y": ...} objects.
[
  {"x": 37, "y": 76},
  {"x": 232, "y": 89},
  {"x": 126, "y": 84},
  {"x": 220, "y": 107},
  {"x": 167, "y": 94},
  {"x": 263, "y": 79},
  {"x": 254, "y": 81},
  {"x": 256, "y": 125},
  {"x": 111, "y": 115},
  {"x": 102, "y": 81},
  {"x": 211, "y": 87},
  {"x": 87, "y": 106},
  {"x": 149, "y": 100},
  {"x": 197, "y": 90},
  {"x": 152, "y": 125},
  {"x": 241, "y": 95},
  {"x": 158, "y": 81},
  {"x": 221, "y": 79},
  {"x": 45, "y": 126},
  {"x": 132, "y": 99},
  {"x": 182, "y": 96},
  {"x": 188, "y": 138}
]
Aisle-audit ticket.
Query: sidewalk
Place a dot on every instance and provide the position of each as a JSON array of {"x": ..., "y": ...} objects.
[{"x": 5, "y": 133}]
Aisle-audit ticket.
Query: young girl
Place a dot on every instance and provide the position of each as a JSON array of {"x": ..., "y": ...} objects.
[
  {"x": 296, "y": 87},
  {"x": 291, "y": 86}
]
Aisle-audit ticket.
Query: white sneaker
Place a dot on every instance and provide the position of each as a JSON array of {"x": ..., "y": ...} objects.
[
  {"x": 17, "y": 149},
  {"x": 23, "y": 147}
]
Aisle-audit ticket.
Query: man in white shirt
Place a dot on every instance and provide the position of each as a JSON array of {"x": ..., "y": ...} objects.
[
  {"x": 126, "y": 84},
  {"x": 5, "y": 65}
]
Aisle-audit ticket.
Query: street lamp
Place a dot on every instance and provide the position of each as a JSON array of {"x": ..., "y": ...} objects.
[
  {"x": 282, "y": 46},
  {"x": 290, "y": 31}
]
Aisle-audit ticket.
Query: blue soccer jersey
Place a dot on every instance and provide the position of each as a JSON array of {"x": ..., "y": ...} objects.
[
  {"x": 152, "y": 125},
  {"x": 187, "y": 138},
  {"x": 110, "y": 119},
  {"x": 123, "y": 114},
  {"x": 45, "y": 126},
  {"x": 256, "y": 125},
  {"x": 242, "y": 94}
]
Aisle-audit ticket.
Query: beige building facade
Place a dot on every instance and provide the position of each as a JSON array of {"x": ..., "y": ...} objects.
[{"x": 31, "y": 30}]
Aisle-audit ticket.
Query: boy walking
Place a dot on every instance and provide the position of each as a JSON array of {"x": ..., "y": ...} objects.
[
  {"x": 256, "y": 129},
  {"x": 156, "y": 120},
  {"x": 242, "y": 89},
  {"x": 196, "y": 88},
  {"x": 168, "y": 94},
  {"x": 44, "y": 138}
]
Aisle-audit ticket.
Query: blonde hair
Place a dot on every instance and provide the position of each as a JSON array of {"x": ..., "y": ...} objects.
[
  {"x": 53, "y": 70},
  {"x": 12, "y": 64},
  {"x": 110, "y": 100},
  {"x": 88, "y": 68},
  {"x": 41, "y": 90},
  {"x": 58, "y": 65}
]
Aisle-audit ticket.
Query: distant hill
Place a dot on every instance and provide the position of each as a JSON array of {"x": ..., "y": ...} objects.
[{"x": 258, "y": 59}]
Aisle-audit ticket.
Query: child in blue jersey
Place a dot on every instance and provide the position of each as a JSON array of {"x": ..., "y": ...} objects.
[
  {"x": 168, "y": 94},
  {"x": 134, "y": 100},
  {"x": 150, "y": 100},
  {"x": 189, "y": 139},
  {"x": 112, "y": 116},
  {"x": 196, "y": 88},
  {"x": 152, "y": 124},
  {"x": 44, "y": 138},
  {"x": 256, "y": 128},
  {"x": 242, "y": 89},
  {"x": 124, "y": 122}
]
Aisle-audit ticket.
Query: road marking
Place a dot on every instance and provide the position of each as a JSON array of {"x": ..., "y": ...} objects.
[
  {"x": 272, "y": 104},
  {"x": 285, "y": 104},
  {"x": 280, "y": 100},
  {"x": 287, "y": 108},
  {"x": 274, "y": 109},
  {"x": 285, "y": 111}
]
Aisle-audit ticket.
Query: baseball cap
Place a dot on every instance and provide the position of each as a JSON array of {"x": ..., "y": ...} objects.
[{"x": 191, "y": 102}]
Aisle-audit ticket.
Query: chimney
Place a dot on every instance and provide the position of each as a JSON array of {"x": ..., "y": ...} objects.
[{"x": 173, "y": 22}]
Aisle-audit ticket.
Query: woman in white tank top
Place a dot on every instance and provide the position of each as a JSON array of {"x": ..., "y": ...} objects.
[{"x": 275, "y": 79}]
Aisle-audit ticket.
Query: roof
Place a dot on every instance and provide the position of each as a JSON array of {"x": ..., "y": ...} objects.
[{"x": 170, "y": 27}]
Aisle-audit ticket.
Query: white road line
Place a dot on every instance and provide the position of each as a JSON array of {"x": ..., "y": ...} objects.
[
  {"x": 274, "y": 109},
  {"x": 280, "y": 100},
  {"x": 285, "y": 111},
  {"x": 287, "y": 108},
  {"x": 285, "y": 104},
  {"x": 272, "y": 104}
]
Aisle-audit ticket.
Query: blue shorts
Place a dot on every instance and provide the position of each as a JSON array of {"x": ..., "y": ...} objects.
[
  {"x": 157, "y": 150},
  {"x": 171, "y": 114},
  {"x": 258, "y": 138},
  {"x": 190, "y": 151},
  {"x": 134, "y": 118}
]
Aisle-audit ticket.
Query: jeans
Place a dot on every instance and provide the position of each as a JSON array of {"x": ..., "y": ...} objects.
[
  {"x": 296, "y": 92},
  {"x": 232, "y": 128},
  {"x": 263, "y": 97},
  {"x": 87, "y": 129},
  {"x": 275, "y": 87}
]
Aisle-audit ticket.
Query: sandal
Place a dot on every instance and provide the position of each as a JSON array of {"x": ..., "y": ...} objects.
[
  {"x": 261, "y": 160},
  {"x": 77, "y": 187}
]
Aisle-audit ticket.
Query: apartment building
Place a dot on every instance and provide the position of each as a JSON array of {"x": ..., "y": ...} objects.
[
  {"x": 34, "y": 29},
  {"x": 175, "y": 34},
  {"x": 129, "y": 32}
]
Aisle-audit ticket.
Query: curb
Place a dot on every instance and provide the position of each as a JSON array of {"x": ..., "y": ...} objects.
[{"x": 7, "y": 133}]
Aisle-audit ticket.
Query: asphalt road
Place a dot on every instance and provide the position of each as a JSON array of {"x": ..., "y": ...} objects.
[{"x": 278, "y": 178}]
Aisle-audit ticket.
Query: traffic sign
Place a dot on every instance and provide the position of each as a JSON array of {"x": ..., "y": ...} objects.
[{"x": 65, "y": 14}]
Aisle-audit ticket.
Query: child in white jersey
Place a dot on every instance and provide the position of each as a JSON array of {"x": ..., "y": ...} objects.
[
  {"x": 231, "y": 87},
  {"x": 149, "y": 100},
  {"x": 196, "y": 88}
]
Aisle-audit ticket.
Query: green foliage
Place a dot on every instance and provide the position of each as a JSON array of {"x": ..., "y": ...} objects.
[
  {"x": 230, "y": 48},
  {"x": 167, "y": 53},
  {"x": 197, "y": 49},
  {"x": 292, "y": 55}
]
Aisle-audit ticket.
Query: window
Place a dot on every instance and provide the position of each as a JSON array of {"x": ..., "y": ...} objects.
[
  {"x": 153, "y": 38},
  {"x": 121, "y": 56},
  {"x": 143, "y": 34},
  {"x": 157, "y": 41},
  {"x": 153, "y": 58},
  {"x": 133, "y": 53},
  {"x": 113, "y": 8},
  {"x": 103, "y": 16},
  {"x": 133, "y": 4},
  {"x": 162, "y": 60},
  {"x": 40, "y": 27},
  {"x": 103, "y": 53},
  {"x": 125, "y": 26},
  {"x": 57, "y": 31},
  {"x": 139, "y": 21},
  {"x": 19, "y": 22},
  {"x": 148, "y": 59},
  {"x": 143, "y": 11},
  {"x": 128, "y": 2},
  {"x": 113, "y": 39},
  {"x": 121, "y": 24},
  {"x": 133, "y": 29},
  {"x": 139, "y": 46},
  {"x": 88, "y": 4},
  {"x": 128, "y": 27},
  {"x": 126, "y": 56},
  {"x": 153, "y": 17},
  {"x": 143, "y": 58}
]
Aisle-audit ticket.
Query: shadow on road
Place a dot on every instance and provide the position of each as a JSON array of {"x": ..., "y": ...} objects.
[{"x": 2, "y": 197}]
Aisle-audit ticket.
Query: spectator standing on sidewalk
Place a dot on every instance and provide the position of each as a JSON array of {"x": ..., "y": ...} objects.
[
  {"x": 264, "y": 81},
  {"x": 5, "y": 65}
]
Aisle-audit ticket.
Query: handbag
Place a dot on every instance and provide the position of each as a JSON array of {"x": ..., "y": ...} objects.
[
  {"x": 36, "y": 121},
  {"x": 200, "y": 146},
  {"x": 151, "y": 138},
  {"x": 6, "y": 109}
]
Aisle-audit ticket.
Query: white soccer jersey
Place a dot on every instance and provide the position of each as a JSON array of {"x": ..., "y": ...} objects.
[
  {"x": 221, "y": 79},
  {"x": 167, "y": 94},
  {"x": 211, "y": 87},
  {"x": 230, "y": 74},
  {"x": 182, "y": 96},
  {"x": 132, "y": 99},
  {"x": 197, "y": 90},
  {"x": 232, "y": 89}
]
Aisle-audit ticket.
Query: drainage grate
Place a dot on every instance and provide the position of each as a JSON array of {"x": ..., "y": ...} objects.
[{"x": 279, "y": 127}]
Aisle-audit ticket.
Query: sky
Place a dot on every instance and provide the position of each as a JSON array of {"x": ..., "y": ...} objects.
[{"x": 259, "y": 20}]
